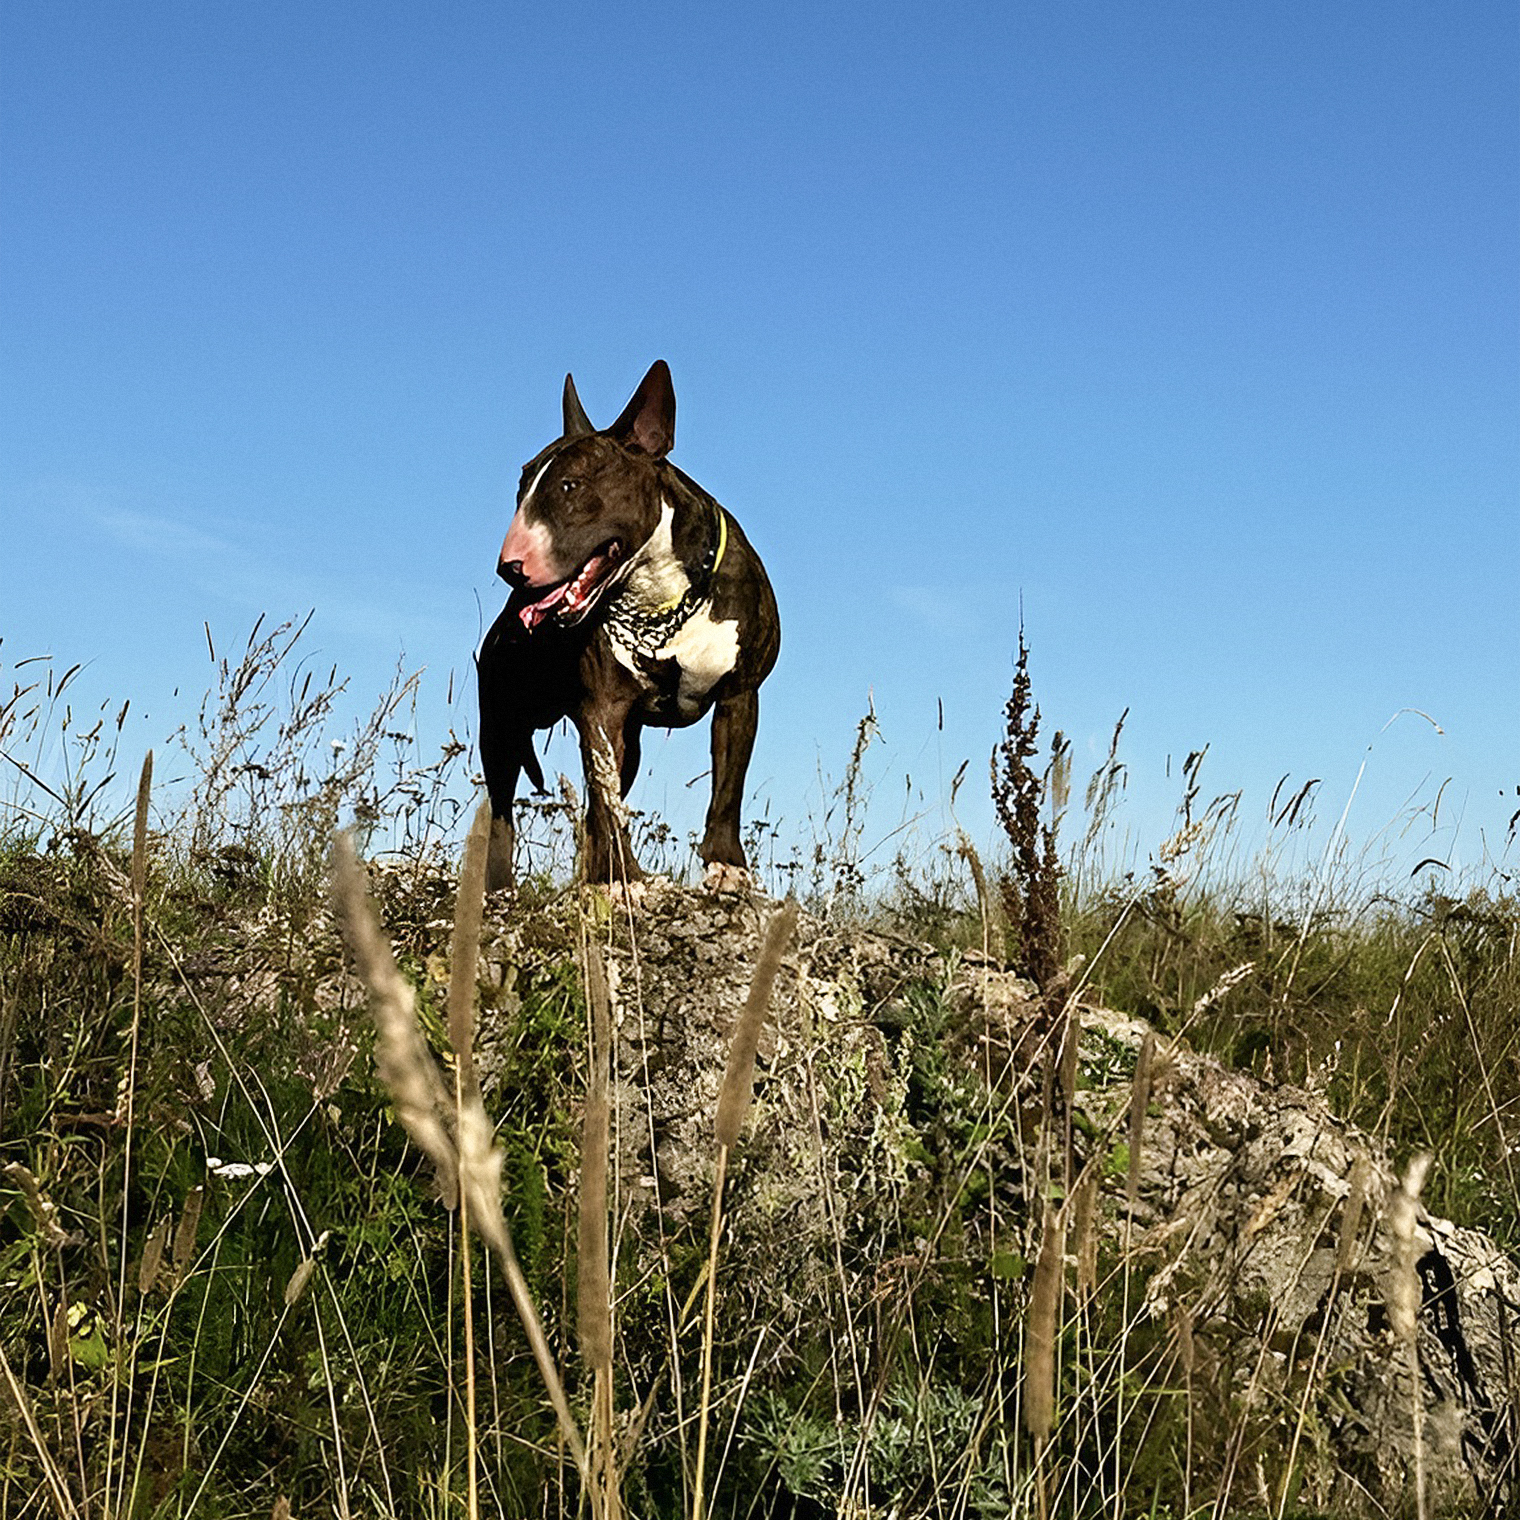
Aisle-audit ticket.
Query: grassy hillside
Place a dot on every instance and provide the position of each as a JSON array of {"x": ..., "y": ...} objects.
[{"x": 228, "y": 1281}]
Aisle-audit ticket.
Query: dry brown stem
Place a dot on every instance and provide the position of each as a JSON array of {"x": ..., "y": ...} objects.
[
  {"x": 733, "y": 1102},
  {"x": 1404, "y": 1302},
  {"x": 739, "y": 1076},
  {"x": 594, "y": 1285},
  {"x": 470, "y": 1160},
  {"x": 1139, "y": 1101}
]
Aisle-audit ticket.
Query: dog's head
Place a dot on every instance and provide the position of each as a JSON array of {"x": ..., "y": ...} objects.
[{"x": 587, "y": 504}]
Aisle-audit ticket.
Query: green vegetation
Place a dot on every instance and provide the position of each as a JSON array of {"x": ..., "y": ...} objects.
[{"x": 227, "y": 1280}]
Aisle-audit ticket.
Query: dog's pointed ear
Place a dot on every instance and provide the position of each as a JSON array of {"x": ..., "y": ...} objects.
[
  {"x": 577, "y": 423},
  {"x": 649, "y": 420}
]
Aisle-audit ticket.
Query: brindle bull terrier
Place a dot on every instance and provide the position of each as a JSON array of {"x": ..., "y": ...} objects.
[{"x": 636, "y": 599}]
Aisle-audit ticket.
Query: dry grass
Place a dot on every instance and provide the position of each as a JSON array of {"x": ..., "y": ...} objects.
[
  {"x": 228, "y": 1288},
  {"x": 733, "y": 1102}
]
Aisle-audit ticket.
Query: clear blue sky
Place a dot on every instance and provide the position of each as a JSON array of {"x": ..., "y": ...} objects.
[{"x": 1190, "y": 327}]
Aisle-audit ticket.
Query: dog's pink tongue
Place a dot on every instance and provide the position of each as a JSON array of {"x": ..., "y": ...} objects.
[
  {"x": 571, "y": 596},
  {"x": 536, "y": 612}
]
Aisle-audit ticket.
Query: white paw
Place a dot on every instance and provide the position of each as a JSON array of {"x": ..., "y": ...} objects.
[
  {"x": 628, "y": 893},
  {"x": 721, "y": 878}
]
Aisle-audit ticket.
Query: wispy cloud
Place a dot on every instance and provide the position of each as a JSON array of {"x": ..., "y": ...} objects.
[
  {"x": 364, "y": 624},
  {"x": 949, "y": 613},
  {"x": 167, "y": 537}
]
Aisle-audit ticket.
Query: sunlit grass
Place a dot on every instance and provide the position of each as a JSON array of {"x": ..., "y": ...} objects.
[{"x": 226, "y": 1278}]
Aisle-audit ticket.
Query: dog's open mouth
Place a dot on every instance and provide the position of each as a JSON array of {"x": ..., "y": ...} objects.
[{"x": 568, "y": 602}]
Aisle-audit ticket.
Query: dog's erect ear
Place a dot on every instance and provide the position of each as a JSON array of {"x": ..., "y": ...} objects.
[
  {"x": 577, "y": 423},
  {"x": 649, "y": 420}
]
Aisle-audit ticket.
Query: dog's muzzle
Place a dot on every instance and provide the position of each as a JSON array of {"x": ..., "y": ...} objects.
[{"x": 569, "y": 601}]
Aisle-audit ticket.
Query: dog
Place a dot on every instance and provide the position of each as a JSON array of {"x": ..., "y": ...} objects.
[{"x": 636, "y": 599}]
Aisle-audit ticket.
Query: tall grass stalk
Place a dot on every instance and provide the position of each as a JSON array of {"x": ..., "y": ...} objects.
[
  {"x": 121, "y": 1419},
  {"x": 464, "y": 959},
  {"x": 594, "y": 1284},
  {"x": 56, "y": 1482},
  {"x": 1404, "y": 1304},
  {"x": 469, "y": 1164},
  {"x": 1040, "y": 1344},
  {"x": 733, "y": 1102}
]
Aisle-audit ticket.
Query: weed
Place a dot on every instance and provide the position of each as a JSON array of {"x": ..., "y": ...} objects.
[{"x": 1030, "y": 889}]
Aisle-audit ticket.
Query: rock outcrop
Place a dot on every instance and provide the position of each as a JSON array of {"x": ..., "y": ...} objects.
[{"x": 909, "y": 1127}]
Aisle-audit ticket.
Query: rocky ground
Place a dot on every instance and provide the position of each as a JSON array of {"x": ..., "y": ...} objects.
[{"x": 1259, "y": 1225}]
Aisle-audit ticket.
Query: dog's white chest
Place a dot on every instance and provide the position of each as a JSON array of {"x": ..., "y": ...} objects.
[
  {"x": 706, "y": 650},
  {"x": 703, "y": 649},
  {"x": 649, "y": 628},
  {"x": 656, "y": 577}
]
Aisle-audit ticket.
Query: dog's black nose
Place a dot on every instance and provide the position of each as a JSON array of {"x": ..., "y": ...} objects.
[{"x": 511, "y": 571}]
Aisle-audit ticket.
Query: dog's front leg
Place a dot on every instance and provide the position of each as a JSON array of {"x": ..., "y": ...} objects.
[
  {"x": 605, "y": 754},
  {"x": 734, "y": 721}
]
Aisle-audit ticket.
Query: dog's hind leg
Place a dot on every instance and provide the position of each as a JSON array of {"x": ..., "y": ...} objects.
[
  {"x": 501, "y": 785},
  {"x": 734, "y": 722},
  {"x": 506, "y": 738},
  {"x": 498, "y": 759},
  {"x": 499, "y": 853}
]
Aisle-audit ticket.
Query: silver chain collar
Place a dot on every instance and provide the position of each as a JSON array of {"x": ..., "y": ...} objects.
[{"x": 648, "y": 630}]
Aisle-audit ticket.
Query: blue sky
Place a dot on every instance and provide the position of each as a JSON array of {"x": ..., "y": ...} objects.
[{"x": 1191, "y": 329}]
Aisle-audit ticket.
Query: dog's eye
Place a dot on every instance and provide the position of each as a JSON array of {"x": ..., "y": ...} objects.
[{"x": 569, "y": 487}]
